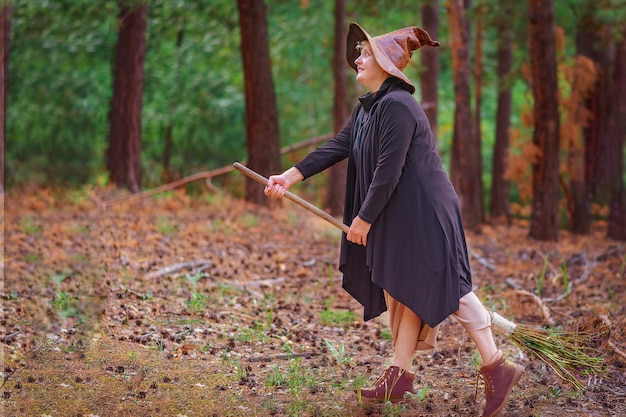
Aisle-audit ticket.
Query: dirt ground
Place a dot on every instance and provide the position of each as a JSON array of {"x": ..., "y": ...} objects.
[{"x": 208, "y": 306}]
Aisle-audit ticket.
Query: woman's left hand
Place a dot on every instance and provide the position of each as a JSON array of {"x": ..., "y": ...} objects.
[{"x": 358, "y": 231}]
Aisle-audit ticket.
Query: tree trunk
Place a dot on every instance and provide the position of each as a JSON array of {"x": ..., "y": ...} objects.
[
  {"x": 597, "y": 134},
  {"x": 5, "y": 47},
  {"x": 262, "y": 140},
  {"x": 579, "y": 199},
  {"x": 544, "y": 223},
  {"x": 579, "y": 165},
  {"x": 594, "y": 133},
  {"x": 591, "y": 42},
  {"x": 123, "y": 155},
  {"x": 500, "y": 186},
  {"x": 429, "y": 76},
  {"x": 465, "y": 163},
  {"x": 337, "y": 173},
  {"x": 478, "y": 71},
  {"x": 617, "y": 210}
]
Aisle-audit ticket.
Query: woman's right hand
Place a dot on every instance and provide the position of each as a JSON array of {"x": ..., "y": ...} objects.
[{"x": 277, "y": 185}]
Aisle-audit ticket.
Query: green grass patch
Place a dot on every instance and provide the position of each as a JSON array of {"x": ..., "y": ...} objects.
[
  {"x": 29, "y": 226},
  {"x": 341, "y": 318}
]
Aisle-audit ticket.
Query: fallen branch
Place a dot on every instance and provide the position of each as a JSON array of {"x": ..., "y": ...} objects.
[
  {"x": 513, "y": 284},
  {"x": 6, "y": 377},
  {"x": 284, "y": 356},
  {"x": 616, "y": 349},
  {"x": 544, "y": 309},
  {"x": 483, "y": 261},
  {"x": 207, "y": 175},
  {"x": 195, "y": 177},
  {"x": 177, "y": 267},
  {"x": 266, "y": 282},
  {"x": 609, "y": 342},
  {"x": 144, "y": 337}
]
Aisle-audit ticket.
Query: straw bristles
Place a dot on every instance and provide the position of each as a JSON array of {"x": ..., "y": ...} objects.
[{"x": 568, "y": 354}]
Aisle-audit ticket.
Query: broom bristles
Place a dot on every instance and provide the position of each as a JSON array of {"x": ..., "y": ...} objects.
[{"x": 567, "y": 353}]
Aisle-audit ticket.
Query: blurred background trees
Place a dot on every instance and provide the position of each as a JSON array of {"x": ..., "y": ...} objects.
[
  {"x": 65, "y": 125},
  {"x": 123, "y": 153}
]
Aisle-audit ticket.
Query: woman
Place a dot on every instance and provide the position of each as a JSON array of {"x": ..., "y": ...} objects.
[{"x": 405, "y": 251}]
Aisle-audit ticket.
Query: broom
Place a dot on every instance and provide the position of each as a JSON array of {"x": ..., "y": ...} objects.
[{"x": 568, "y": 354}]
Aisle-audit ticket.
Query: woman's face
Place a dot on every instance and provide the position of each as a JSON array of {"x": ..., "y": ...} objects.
[{"x": 369, "y": 73}]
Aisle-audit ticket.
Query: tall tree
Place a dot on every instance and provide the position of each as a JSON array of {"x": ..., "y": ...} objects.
[
  {"x": 584, "y": 188},
  {"x": 429, "y": 75},
  {"x": 591, "y": 43},
  {"x": 337, "y": 173},
  {"x": 544, "y": 223},
  {"x": 465, "y": 167},
  {"x": 599, "y": 38},
  {"x": 500, "y": 185},
  {"x": 123, "y": 155},
  {"x": 617, "y": 210},
  {"x": 262, "y": 140},
  {"x": 582, "y": 75},
  {"x": 478, "y": 69},
  {"x": 5, "y": 37}
]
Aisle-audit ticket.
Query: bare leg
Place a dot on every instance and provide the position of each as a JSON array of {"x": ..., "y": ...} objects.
[
  {"x": 475, "y": 320},
  {"x": 499, "y": 374},
  {"x": 405, "y": 331},
  {"x": 485, "y": 344}
]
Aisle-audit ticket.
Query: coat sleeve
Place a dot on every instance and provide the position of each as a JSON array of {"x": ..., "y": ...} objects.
[
  {"x": 395, "y": 134},
  {"x": 335, "y": 150}
]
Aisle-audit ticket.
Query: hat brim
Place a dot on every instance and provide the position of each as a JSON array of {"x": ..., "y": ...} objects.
[{"x": 357, "y": 34}]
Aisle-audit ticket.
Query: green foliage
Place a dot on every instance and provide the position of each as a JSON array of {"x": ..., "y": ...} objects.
[
  {"x": 256, "y": 332},
  {"x": 59, "y": 87},
  {"x": 29, "y": 226},
  {"x": 301, "y": 47},
  {"x": 565, "y": 279},
  {"x": 164, "y": 226},
  {"x": 249, "y": 220},
  {"x": 61, "y": 81},
  {"x": 294, "y": 378},
  {"x": 64, "y": 304},
  {"x": 193, "y": 85},
  {"x": 339, "y": 353},
  {"x": 337, "y": 317},
  {"x": 542, "y": 276},
  {"x": 197, "y": 302},
  {"x": 194, "y": 278},
  {"x": 385, "y": 334}
]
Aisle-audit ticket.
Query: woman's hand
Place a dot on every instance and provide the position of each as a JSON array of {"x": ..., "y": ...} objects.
[
  {"x": 358, "y": 231},
  {"x": 277, "y": 185}
]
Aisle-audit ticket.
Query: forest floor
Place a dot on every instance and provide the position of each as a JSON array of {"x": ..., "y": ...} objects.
[{"x": 209, "y": 306}]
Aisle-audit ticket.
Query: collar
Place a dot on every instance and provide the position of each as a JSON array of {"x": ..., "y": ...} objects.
[{"x": 368, "y": 100}]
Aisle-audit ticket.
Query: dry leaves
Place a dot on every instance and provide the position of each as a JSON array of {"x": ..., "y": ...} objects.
[{"x": 219, "y": 305}]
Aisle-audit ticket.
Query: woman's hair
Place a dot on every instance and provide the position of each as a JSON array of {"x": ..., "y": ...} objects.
[{"x": 361, "y": 44}]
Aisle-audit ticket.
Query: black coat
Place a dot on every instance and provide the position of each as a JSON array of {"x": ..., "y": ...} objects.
[{"x": 416, "y": 247}]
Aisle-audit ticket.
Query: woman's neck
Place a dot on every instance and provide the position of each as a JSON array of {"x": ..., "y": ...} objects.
[{"x": 375, "y": 85}]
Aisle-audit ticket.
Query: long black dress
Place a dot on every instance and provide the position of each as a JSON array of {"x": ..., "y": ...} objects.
[{"x": 416, "y": 247}]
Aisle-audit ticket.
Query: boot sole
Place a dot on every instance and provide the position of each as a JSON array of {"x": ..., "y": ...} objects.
[
  {"x": 518, "y": 375},
  {"x": 381, "y": 400},
  {"x": 393, "y": 399}
]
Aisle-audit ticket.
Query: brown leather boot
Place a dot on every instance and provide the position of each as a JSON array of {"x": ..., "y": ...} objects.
[
  {"x": 500, "y": 376},
  {"x": 390, "y": 386}
]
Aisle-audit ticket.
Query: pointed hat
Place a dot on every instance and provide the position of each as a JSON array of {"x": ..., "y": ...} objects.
[{"x": 392, "y": 50}]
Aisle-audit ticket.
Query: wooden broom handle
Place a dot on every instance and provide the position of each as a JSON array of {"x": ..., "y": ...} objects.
[{"x": 291, "y": 196}]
